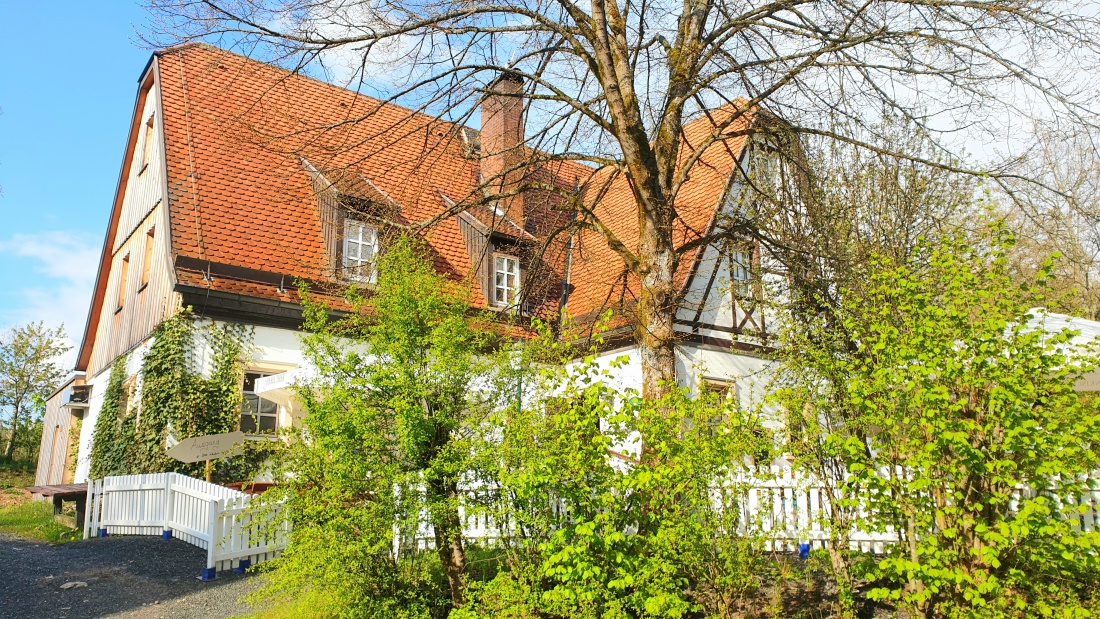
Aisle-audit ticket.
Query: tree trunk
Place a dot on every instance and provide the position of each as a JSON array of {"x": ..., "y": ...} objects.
[
  {"x": 443, "y": 504},
  {"x": 9, "y": 451},
  {"x": 654, "y": 313}
]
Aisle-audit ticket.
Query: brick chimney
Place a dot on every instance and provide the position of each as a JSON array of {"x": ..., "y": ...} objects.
[{"x": 502, "y": 151}]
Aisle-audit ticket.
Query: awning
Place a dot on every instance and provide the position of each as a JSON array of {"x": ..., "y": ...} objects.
[{"x": 280, "y": 388}]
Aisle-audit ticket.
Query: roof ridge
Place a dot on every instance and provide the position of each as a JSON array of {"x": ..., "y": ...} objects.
[{"x": 299, "y": 74}]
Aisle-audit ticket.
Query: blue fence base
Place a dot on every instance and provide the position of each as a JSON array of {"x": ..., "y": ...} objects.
[
  {"x": 243, "y": 565},
  {"x": 103, "y": 532},
  {"x": 166, "y": 535},
  {"x": 209, "y": 573}
]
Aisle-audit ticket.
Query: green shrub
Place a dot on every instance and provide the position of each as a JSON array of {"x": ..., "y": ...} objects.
[{"x": 959, "y": 428}]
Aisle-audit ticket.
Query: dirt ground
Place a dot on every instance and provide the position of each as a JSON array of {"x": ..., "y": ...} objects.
[
  {"x": 125, "y": 577},
  {"x": 12, "y": 487}
]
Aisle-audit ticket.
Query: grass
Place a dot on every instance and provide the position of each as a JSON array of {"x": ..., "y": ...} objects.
[
  {"x": 306, "y": 606},
  {"x": 15, "y": 475},
  {"x": 34, "y": 519},
  {"x": 21, "y": 516}
]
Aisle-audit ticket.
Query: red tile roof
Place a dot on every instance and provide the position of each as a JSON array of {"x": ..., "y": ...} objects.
[
  {"x": 237, "y": 132},
  {"x": 597, "y": 271}
]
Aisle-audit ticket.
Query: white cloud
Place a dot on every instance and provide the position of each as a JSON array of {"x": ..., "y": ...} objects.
[
  {"x": 66, "y": 264},
  {"x": 60, "y": 254}
]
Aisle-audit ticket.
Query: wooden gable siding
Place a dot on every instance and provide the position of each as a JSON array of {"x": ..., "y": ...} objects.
[
  {"x": 331, "y": 214},
  {"x": 54, "y": 449},
  {"x": 143, "y": 211},
  {"x": 145, "y": 187},
  {"x": 477, "y": 245}
]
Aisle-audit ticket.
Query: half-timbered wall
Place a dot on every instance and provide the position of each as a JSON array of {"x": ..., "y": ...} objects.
[
  {"x": 718, "y": 303},
  {"x": 139, "y": 287}
]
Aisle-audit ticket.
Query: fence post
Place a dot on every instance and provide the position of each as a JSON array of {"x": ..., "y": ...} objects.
[
  {"x": 210, "y": 572},
  {"x": 102, "y": 484},
  {"x": 169, "y": 505},
  {"x": 89, "y": 508}
]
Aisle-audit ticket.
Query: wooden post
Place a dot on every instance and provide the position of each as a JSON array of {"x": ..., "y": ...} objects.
[{"x": 209, "y": 471}]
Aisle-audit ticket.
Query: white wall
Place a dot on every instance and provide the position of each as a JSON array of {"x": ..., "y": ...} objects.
[
  {"x": 275, "y": 350},
  {"x": 95, "y": 404}
]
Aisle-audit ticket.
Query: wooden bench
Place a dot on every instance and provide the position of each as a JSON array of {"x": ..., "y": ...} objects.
[{"x": 66, "y": 492}]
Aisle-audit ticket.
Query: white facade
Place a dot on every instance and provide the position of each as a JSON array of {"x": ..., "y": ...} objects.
[{"x": 274, "y": 351}]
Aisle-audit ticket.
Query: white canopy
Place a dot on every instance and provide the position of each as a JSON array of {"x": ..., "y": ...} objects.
[{"x": 279, "y": 388}]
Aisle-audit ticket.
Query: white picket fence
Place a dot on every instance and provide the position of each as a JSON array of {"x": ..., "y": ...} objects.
[
  {"x": 780, "y": 506},
  {"x": 212, "y": 517},
  {"x": 788, "y": 508},
  {"x": 785, "y": 509}
]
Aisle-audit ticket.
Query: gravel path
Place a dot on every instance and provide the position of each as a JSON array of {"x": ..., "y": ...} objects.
[{"x": 127, "y": 577}]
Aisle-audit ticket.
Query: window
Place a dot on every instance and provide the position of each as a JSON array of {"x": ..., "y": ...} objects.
[
  {"x": 727, "y": 394},
  {"x": 506, "y": 280},
  {"x": 147, "y": 148},
  {"x": 360, "y": 246},
  {"x": 147, "y": 260},
  {"x": 741, "y": 273},
  {"x": 723, "y": 389},
  {"x": 124, "y": 274},
  {"x": 257, "y": 414}
]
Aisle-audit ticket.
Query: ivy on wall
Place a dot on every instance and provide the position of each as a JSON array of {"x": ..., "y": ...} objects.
[
  {"x": 108, "y": 453},
  {"x": 175, "y": 398}
]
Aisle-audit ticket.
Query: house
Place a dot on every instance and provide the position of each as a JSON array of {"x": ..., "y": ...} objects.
[{"x": 239, "y": 178}]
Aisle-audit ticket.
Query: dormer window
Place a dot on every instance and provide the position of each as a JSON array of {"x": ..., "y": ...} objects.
[
  {"x": 360, "y": 247},
  {"x": 505, "y": 280}
]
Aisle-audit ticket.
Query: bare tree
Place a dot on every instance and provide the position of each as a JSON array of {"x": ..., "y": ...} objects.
[
  {"x": 1062, "y": 214},
  {"x": 837, "y": 206},
  {"x": 29, "y": 371},
  {"x": 612, "y": 84}
]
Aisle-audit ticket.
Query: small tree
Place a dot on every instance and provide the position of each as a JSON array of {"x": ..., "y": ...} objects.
[
  {"x": 955, "y": 425},
  {"x": 30, "y": 370},
  {"x": 392, "y": 434}
]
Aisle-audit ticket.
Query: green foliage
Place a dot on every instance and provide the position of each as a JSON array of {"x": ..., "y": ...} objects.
[
  {"x": 30, "y": 371},
  {"x": 392, "y": 427},
  {"x": 175, "y": 398},
  {"x": 34, "y": 519},
  {"x": 623, "y": 507},
  {"x": 959, "y": 429},
  {"x": 108, "y": 450}
]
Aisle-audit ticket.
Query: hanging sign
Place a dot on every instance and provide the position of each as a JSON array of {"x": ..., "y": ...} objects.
[{"x": 211, "y": 447}]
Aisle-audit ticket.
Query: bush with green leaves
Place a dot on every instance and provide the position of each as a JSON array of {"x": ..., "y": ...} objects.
[
  {"x": 954, "y": 419},
  {"x": 623, "y": 507}
]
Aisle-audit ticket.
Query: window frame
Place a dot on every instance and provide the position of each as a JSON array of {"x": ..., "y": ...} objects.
[
  {"x": 741, "y": 263},
  {"x": 258, "y": 414},
  {"x": 147, "y": 144},
  {"x": 355, "y": 271},
  {"x": 147, "y": 259},
  {"x": 512, "y": 299},
  {"x": 123, "y": 281}
]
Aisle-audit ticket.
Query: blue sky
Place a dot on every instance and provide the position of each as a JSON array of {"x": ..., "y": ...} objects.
[{"x": 66, "y": 94}]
